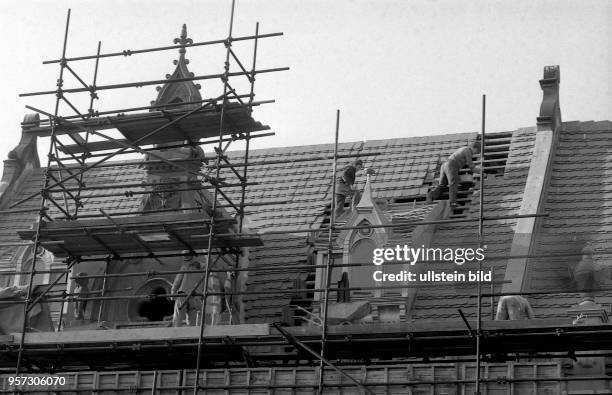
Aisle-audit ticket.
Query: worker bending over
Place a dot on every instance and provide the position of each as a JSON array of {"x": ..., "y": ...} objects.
[
  {"x": 345, "y": 186},
  {"x": 449, "y": 172},
  {"x": 514, "y": 307}
]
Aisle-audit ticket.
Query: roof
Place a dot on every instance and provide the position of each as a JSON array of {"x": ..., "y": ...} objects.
[
  {"x": 119, "y": 173},
  {"x": 503, "y": 196},
  {"x": 296, "y": 195},
  {"x": 579, "y": 208},
  {"x": 303, "y": 189}
]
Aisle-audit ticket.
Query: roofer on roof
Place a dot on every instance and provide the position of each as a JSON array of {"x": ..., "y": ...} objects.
[
  {"x": 345, "y": 185},
  {"x": 449, "y": 172}
]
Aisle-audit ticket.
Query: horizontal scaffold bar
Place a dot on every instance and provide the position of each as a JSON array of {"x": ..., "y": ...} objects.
[
  {"x": 155, "y": 82},
  {"x": 129, "y": 52}
]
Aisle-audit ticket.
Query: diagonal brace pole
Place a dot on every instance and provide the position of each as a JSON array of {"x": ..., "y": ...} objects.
[
  {"x": 112, "y": 154},
  {"x": 298, "y": 344}
]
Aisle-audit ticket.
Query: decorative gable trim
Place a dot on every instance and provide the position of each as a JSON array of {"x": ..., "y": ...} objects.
[
  {"x": 180, "y": 91},
  {"x": 367, "y": 210},
  {"x": 22, "y": 158},
  {"x": 538, "y": 178}
]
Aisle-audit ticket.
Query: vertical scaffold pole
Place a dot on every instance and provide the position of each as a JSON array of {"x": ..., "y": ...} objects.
[
  {"x": 196, "y": 383},
  {"x": 90, "y": 113},
  {"x": 43, "y": 200},
  {"x": 330, "y": 251},
  {"x": 480, "y": 244},
  {"x": 244, "y": 179},
  {"x": 248, "y": 139}
]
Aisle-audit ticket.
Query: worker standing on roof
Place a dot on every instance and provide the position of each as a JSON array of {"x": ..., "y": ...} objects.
[
  {"x": 449, "y": 172},
  {"x": 345, "y": 185}
]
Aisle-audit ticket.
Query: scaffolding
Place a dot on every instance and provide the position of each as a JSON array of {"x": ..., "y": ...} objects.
[{"x": 208, "y": 232}]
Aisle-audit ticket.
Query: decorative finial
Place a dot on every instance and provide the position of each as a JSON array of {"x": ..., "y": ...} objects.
[
  {"x": 550, "y": 112},
  {"x": 183, "y": 40},
  {"x": 184, "y": 91}
]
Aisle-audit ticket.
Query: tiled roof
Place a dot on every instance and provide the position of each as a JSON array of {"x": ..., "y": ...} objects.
[
  {"x": 112, "y": 175},
  {"x": 503, "y": 196},
  {"x": 404, "y": 168},
  {"x": 579, "y": 208},
  {"x": 279, "y": 252},
  {"x": 396, "y": 213},
  {"x": 302, "y": 189}
]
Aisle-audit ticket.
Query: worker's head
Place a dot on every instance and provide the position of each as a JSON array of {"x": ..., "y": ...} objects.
[
  {"x": 475, "y": 146},
  {"x": 588, "y": 249},
  {"x": 358, "y": 163},
  {"x": 81, "y": 279},
  {"x": 187, "y": 255}
]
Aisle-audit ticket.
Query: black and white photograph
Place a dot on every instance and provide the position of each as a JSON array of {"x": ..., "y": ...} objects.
[{"x": 306, "y": 197}]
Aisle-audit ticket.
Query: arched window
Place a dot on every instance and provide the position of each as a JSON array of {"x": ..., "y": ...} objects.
[
  {"x": 361, "y": 276},
  {"x": 154, "y": 305}
]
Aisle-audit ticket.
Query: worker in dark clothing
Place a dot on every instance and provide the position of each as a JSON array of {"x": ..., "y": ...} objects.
[
  {"x": 345, "y": 185},
  {"x": 449, "y": 172}
]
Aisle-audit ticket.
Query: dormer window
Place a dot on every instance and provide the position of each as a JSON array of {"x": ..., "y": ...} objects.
[
  {"x": 358, "y": 244},
  {"x": 361, "y": 276}
]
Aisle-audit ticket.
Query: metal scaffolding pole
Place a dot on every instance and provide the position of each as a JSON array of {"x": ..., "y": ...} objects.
[
  {"x": 65, "y": 174},
  {"x": 156, "y": 82},
  {"x": 219, "y": 151},
  {"x": 221, "y": 162},
  {"x": 129, "y": 52},
  {"x": 26, "y": 305},
  {"x": 112, "y": 154},
  {"x": 480, "y": 243},
  {"x": 330, "y": 259},
  {"x": 282, "y": 268}
]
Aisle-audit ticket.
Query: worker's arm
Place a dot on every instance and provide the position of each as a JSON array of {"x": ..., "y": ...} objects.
[
  {"x": 177, "y": 281},
  {"x": 348, "y": 175},
  {"x": 529, "y": 311},
  {"x": 470, "y": 163}
]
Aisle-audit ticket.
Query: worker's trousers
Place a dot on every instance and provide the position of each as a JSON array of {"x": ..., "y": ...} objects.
[
  {"x": 190, "y": 311},
  {"x": 449, "y": 176},
  {"x": 341, "y": 200}
]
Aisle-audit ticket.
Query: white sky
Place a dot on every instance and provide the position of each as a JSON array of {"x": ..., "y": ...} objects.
[{"x": 394, "y": 68}]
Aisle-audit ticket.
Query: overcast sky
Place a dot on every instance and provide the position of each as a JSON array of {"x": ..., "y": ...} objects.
[{"x": 394, "y": 68}]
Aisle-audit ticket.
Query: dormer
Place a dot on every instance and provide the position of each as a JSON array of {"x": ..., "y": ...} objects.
[
  {"x": 358, "y": 245},
  {"x": 374, "y": 225},
  {"x": 170, "y": 193}
]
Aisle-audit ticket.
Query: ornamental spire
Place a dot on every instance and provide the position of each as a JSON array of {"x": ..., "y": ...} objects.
[
  {"x": 184, "y": 91},
  {"x": 183, "y": 40}
]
